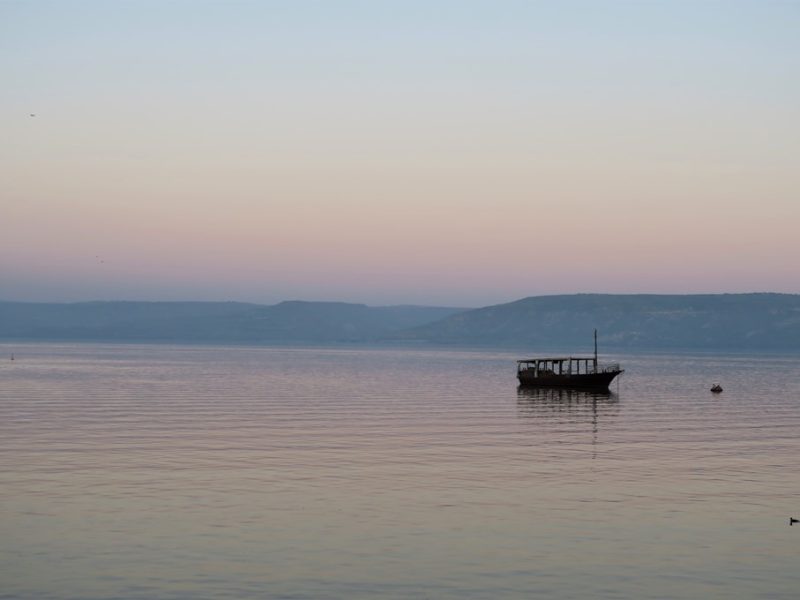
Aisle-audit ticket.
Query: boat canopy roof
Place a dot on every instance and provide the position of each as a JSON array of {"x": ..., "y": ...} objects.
[{"x": 556, "y": 359}]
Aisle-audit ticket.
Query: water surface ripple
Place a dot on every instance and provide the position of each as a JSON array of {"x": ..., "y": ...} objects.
[{"x": 177, "y": 472}]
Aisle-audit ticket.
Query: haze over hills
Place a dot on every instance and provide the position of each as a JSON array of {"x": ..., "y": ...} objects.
[
  {"x": 714, "y": 321},
  {"x": 292, "y": 321}
]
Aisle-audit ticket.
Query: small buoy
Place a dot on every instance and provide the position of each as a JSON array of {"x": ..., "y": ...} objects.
[{"x": 717, "y": 388}]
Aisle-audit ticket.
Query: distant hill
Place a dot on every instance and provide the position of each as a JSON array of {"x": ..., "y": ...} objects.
[
  {"x": 715, "y": 321},
  {"x": 552, "y": 323},
  {"x": 211, "y": 321}
]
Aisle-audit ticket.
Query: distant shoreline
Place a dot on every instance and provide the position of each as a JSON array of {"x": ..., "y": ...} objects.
[{"x": 738, "y": 323}]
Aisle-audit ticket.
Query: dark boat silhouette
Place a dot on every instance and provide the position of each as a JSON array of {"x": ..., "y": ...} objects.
[{"x": 576, "y": 372}]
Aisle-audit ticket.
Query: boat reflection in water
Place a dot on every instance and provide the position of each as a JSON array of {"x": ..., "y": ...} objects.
[
  {"x": 536, "y": 400},
  {"x": 556, "y": 412}
]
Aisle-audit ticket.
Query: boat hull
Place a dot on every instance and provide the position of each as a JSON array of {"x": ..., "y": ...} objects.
[{"x": 585, "y": 381}]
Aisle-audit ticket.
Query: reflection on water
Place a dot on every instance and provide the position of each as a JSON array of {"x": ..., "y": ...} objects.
[
  {"x": 563, "y": 397},
  {"x": 554, "y": 405},
  {"x": 544, "y": 402}
]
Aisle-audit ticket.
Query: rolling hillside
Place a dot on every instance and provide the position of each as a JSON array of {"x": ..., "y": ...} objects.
[
  {"x": 718, "y": 321},
  {"x": 293, "y": 321}
]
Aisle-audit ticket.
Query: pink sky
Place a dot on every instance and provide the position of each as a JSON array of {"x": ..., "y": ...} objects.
[{"x": 398, "y": 158}]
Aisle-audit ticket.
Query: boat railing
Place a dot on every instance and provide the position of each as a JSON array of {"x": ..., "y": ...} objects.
[{"x": 606, "y": 368}]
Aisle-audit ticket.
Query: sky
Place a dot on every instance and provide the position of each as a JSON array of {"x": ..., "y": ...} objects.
[{"x": 459, "y": 153}]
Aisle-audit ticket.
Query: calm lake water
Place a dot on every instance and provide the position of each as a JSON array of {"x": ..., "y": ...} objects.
[{"x": 131, "y": 471}]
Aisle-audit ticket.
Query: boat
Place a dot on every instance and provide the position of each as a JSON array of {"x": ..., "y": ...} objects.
[
  {"x": 717, "y": 388},
  {"x": 576, "y": 372}
]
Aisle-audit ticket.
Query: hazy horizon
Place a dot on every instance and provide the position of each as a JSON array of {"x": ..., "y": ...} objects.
[
  {"x": 456, "y": 153},
  {"x": 387, "y": 303}
]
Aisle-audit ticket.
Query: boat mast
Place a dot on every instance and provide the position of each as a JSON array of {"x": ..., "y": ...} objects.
[{"x": 595, "y": 350}]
